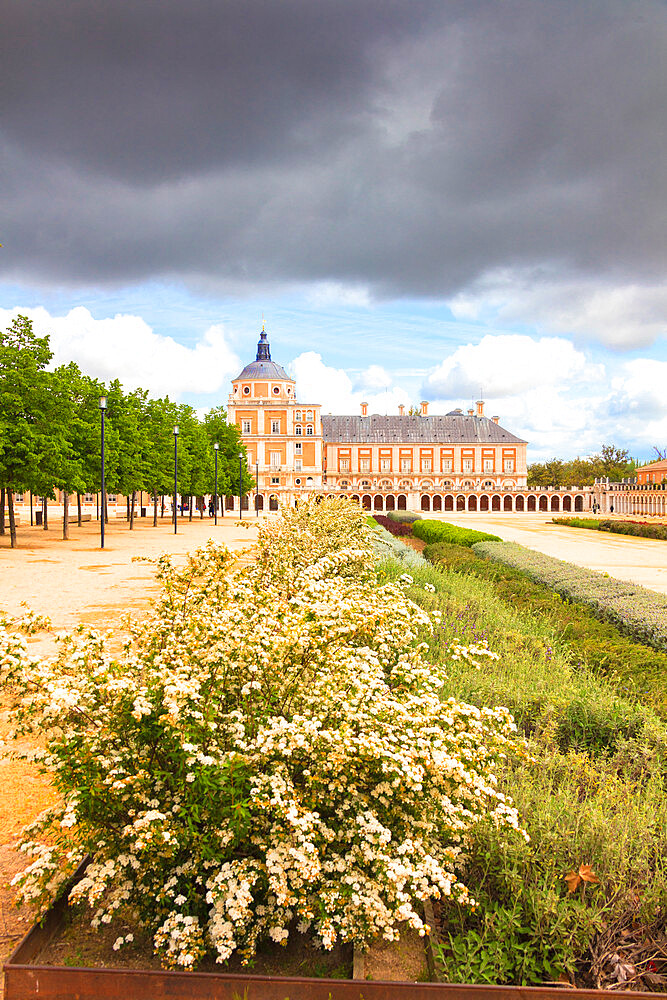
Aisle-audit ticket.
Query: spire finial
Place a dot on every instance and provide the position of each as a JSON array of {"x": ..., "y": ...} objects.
[{"x": 263, "y": 349}]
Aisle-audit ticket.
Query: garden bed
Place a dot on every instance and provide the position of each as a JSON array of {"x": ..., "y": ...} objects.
[{"x": 27, "y": 977}]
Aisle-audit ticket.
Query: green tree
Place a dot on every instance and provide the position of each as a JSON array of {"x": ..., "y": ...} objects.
[
  {"x": 160, "y": 417},
  {"x": 27, "y": 441},
  {"x": 228, "y": 437}
]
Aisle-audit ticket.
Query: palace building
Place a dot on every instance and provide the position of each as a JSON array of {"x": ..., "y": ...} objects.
[{"x": 406, "y": 461}]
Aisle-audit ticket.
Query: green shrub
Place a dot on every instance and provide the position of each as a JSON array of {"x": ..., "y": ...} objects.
[
  {"x": 634, "y": 610},
  {"x": 590, "y": 786},
  {"x": 639, "y": 528},
  {"x": 403, "y": 516},
  {"x": 442, "y": 531},
  {"x": 634, "y": 669}
]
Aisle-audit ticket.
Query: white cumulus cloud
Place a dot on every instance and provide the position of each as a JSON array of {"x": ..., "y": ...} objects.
[
  {"x": 504, "y": 365},
  {"x": 334, "y": 389},
  {"x": 127, "y": 348}
]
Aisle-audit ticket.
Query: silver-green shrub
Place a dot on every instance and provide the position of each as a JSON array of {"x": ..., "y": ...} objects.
[{"x": 638, "y": 612}]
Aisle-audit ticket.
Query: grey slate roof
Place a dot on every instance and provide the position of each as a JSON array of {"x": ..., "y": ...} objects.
[
  {"x": 450, "y": 429},
  {"x": 264, "y": 369}
]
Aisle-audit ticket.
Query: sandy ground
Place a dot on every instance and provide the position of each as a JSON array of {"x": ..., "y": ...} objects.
[
  {"x": 641, "y": 560},
  {"x": 75, "y": 581}
]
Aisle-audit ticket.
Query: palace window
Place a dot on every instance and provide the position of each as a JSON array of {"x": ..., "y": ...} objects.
[
  {"x": 276, "y": 390},
  {"x": 297, "y": 415},
  {"x": 385, "y": 465},
  {"x": 18, "y": 497},
  {"x": 299, "y": 431},
  {"x": 298, "y": 447},
  {"x": 246, "y": 390},
  {"x": 344, "y": 485},
  {"x": 508, "y": 465},
  {"x": 426, "y": 465},
  {"x": 344, "y": 464},
  {"x": 275, "y": 459},
  {"x": 466, "y": 465},
  {"x": 488, "y": 485},
  {"x": 364, "y": 465},
  {"x": 88, "y": 497},
  {"x": 275, "y": 480},
  {"x": 406, "y": 465},
  {"x": 246, "y": 427},
  {"x": 309, "y": 429},
  {"x": 298, "y": 464},
  {"x": 309, "y": 415},
  {"x": 446, "y": 465},
  {"x": 488, "y": 465},
  {"x": 275, "y": 427}
]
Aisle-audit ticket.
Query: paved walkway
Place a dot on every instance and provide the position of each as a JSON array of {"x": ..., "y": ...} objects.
[
  {"x": 76, "y": 581},
  {"x": 641, "y": 560}
]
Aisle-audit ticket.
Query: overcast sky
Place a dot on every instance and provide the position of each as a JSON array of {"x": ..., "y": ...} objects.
[{"x": 424, "y": 199}]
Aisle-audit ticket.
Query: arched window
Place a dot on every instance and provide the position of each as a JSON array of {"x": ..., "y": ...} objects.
[
  {"x": 298, "y": 430},
  {"x": 309, "y": 415},
  {"x": 309, "y": 429},
  {"x": 297, "y": 415}
]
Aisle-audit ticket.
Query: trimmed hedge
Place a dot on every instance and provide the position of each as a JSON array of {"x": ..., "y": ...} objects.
[
  {"x": 403, "y": 516},
  {"x": 639, "y": 528},
  {"x": 638, "y": 612},
  {"x": 442, "y": 531},
  {"x": 634, "y": 668}
]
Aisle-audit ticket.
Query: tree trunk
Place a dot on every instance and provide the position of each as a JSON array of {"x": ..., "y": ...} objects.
[
  {"x": 45, "y": 510},
  {"x": 127, "y": 507},
  {"x": 2, "y": 511},
  {"x": 65, "y": 515},
  {"x": 162, "y": 506},
  {"x": 31, "y": 517},
  {"x": 12, "y": 521},
  {"x": 201, "y": 508},
  {"x": 134, "y": 494},
  {"x": 190, "y": 508},
  {"x": 78, "y": 509},
  {"x": 154, "y": 508}
]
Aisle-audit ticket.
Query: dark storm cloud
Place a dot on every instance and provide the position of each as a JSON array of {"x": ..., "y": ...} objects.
[{"x": 412, "y": 146}]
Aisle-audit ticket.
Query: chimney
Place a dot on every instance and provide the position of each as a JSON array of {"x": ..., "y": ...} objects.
[
  {"x": 470, "y": 412},
  {"x": 424, "y": 412},
  {"x": 364, "y": 409},
  {"x": 480, "y": 407},
  {"x": 401, "y": 410},
  {"x": 495, "y": 419}
]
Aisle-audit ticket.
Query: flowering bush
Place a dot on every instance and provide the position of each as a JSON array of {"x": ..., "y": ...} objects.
[
  {"x": 270, "y": 751},
  {"x": 634, "y": 610}
]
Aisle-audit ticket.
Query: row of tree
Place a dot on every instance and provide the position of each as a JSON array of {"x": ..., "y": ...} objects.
[
  {"x": 50, "y": 434},
  {"x": 612, "y": 462}
]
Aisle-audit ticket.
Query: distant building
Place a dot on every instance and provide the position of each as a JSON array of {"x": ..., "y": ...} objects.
[
  {"x": 654, "y": 472},
  {"x": 387, "y": 462}
]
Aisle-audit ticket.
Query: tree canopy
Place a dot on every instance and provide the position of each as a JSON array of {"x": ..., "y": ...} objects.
[
  {"x": 50, "y": 432},
  {"x": 612, "y": 462}
]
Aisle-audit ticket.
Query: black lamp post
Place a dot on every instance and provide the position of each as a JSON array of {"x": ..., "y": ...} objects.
[
  {"x": 215, "y": 501},
  {"x": 256, "y": 489},
  {"x": 175, "y": 476},
  {"x": 103, "y": 406},
  {"x": 241, "y": 487}
]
